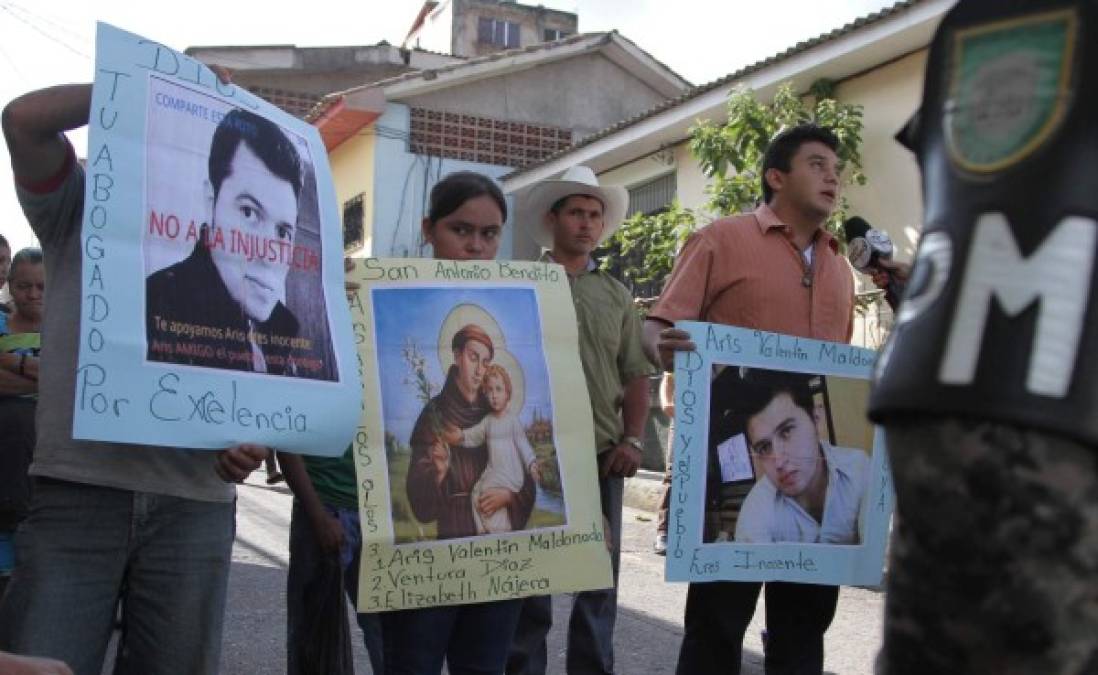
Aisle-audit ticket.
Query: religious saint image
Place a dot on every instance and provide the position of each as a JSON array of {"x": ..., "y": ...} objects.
[
  {"x": 789, "y": 457},
  {"x": 467, "y": 413},
  {"x": 231, "y": 241}
]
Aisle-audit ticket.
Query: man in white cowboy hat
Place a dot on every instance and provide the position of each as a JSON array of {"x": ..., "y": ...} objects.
[{"x": 571, "y": 217}]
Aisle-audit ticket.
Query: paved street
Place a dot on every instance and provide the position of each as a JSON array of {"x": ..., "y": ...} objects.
[{"x": 649, "y": 617}]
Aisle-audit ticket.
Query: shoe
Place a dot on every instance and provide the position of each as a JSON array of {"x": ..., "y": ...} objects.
[
  {"x": 275, "y": 477},
  {"x": 659, "y": 546}
]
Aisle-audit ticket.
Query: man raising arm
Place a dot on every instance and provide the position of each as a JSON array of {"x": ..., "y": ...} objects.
[{"x": 157, "y": 522}]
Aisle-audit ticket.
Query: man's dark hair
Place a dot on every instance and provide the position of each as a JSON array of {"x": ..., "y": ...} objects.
[
  {"x": 779, "y": 154},
  {"x": 264, "y": 138},
  {"x": 26, "y": 256},
  {"x": 759, "y": 387},
  {"x": 559, "y": 204},
  {"x": 459, "y": 187},
  {"x": 4, "y": 242}
]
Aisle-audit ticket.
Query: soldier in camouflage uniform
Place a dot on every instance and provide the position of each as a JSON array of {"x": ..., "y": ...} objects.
[{"x": 987, "y": 386}]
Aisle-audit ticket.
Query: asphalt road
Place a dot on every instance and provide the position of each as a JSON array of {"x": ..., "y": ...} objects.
[{"x": 649, "y": 627}]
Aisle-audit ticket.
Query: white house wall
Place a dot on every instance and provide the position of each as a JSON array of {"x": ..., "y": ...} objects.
[
  {"x": 892, "y": 199},
  {"x": 402, "y": 184}
]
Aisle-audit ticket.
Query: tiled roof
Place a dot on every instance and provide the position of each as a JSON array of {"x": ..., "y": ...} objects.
[{"x": 728, "y": 79}]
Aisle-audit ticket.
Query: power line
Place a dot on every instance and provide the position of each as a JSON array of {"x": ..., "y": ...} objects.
[
  {"x": 7, "y": 8},
  {"x": 78, "y": 36}
]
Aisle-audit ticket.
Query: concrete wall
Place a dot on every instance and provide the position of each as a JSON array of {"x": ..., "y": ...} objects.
[
  {"x": 353, "y": 173},
  {"x": 402, "y": 184},
  {"x": 892, "y": 199},
  {"x": 586, "y": 93},
  {"x": 532, "y": 23}
]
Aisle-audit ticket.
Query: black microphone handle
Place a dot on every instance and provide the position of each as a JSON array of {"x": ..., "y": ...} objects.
[{"x": 894, "y": 291}]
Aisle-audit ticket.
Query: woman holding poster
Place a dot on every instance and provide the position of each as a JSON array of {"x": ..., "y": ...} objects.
[{"x": 466, "y": 216}]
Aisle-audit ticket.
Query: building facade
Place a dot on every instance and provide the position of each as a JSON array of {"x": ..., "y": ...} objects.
[
  {"x": 877, "y": 62},
  {"x": 472, "y": 28},
  {"x": 391, "y": 141}
]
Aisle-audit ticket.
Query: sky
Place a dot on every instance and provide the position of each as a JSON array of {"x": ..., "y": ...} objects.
[{"x": 46, "y": 43}]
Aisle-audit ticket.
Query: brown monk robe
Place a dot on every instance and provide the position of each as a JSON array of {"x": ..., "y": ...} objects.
[{"x": 448, "y": 502}]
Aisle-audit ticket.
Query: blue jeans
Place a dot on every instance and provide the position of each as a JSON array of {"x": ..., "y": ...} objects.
[
  {"x": 83, "y": 547},
  {"x": 591, "y": 626},
  {"x": 305, "y": 559},
  {"x": 472, "y": 639}
]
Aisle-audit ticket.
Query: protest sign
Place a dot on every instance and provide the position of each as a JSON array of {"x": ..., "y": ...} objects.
[
  {"x": 214, "y": 308},
  {"x": 777, "y": 474},
  {"x": 475, "y": 453}
]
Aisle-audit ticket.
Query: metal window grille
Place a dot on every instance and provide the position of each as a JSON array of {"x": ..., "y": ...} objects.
[
  {"x": 497, "y": 32},
  {"x": 653, "y": 196}
]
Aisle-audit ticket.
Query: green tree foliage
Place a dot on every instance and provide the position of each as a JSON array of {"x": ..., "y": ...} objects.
[{"x": 730, "y": 155}]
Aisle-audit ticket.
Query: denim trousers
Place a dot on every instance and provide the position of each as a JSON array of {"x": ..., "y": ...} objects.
[
  {"x": 718, "y": 613},
  {"x": 83, "y": 548},
  {"x": 305, "y": 563},
  {"x": 591, "y": 625},
  {"x": 472, "y": 639}
]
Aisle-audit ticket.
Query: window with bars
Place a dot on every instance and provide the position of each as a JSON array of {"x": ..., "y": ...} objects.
[
  {"x": 653, "y": 196},
  {"x": 354, "y": 222},
  {"x": 483, "y": 139},
  {"x": 498, "y": 32},
  {"x": 553, "y": 34}
]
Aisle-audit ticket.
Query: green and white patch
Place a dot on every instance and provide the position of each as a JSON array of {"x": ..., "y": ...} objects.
[{"x": 1009, "y": 86}]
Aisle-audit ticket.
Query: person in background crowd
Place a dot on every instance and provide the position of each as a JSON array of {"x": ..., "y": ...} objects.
[
  {"x": 5, "y": 264},
  {"x": 667, "y": 404},
  {"x": 776, "y": 269},
  {"x": 19, "y": 346},
  {"x": 571, "y": 217},
  {"x": 153, "y": 526}
]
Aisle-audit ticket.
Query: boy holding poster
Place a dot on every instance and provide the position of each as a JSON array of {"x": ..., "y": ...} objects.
[{"x": 779, "y": 270}]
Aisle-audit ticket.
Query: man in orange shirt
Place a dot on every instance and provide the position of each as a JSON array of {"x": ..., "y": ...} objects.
[{"x": 776, "y": 269}]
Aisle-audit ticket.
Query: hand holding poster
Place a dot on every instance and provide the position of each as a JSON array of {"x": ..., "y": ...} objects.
[
  {"x": 223, "y": 206},
  {"x": 778, "y": 475},
  {"x": 475, "y": 451}
]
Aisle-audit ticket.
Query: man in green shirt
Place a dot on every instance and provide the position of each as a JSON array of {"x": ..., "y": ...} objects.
[{"x": 571, "y": 217}]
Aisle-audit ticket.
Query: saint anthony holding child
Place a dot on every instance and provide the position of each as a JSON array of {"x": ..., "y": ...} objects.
[{"x": 442, "y": 477}]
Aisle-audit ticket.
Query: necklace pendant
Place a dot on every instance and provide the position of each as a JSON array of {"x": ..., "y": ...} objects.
[{"x": 806, "y": 280}]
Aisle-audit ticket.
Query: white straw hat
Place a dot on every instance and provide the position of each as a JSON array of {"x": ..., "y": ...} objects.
[{"x": 532, "y": 208}]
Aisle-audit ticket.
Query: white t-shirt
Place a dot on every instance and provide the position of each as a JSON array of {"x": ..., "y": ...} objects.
[{"x": 768, "y": 516}]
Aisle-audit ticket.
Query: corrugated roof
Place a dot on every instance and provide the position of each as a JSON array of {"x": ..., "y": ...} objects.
[
  {"x": 597, "y": 40},
  {"x": 727, "y": 79}
]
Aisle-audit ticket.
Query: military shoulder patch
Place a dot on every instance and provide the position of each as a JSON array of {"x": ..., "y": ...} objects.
[{"x": 1009, "y": 85}]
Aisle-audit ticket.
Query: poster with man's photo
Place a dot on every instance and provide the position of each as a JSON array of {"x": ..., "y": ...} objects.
[
  {"x": 214, "y": 308},
  {"x": 778, "y": 474},
  {"x": 475, "y": 453}
]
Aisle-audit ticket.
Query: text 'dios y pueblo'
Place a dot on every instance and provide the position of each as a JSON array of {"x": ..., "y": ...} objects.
[
  {"x": 213, "y": 309},
  {"x": 778, "y": 475},
  {"x": 475, "y": 451}
]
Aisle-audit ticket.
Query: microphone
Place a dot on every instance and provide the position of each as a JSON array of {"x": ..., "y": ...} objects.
[{"x": 865, "y": 247}]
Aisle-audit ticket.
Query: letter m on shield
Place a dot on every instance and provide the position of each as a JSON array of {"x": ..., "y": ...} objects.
[{"x": 1057, "y": 275}]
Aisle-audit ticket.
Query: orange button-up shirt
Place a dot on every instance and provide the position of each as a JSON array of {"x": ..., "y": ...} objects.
[{"x": 744, "y": 271}]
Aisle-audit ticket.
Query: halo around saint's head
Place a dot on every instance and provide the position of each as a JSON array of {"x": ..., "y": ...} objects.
[{"x": 465, "y": 314}]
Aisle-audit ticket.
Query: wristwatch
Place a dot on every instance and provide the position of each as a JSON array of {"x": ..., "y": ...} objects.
[{"x": 633, "y": 441}]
